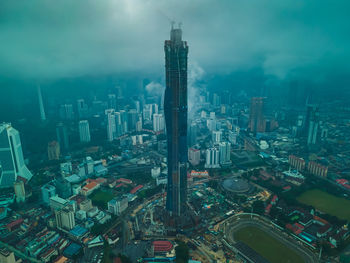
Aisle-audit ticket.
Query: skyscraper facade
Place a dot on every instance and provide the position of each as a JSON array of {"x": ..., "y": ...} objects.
[
  {"x": 62, "y": 136},
  {"x": 175, "y": 110},
  {"x": 11, "y": 156},
  {"x": 256, "y": 117},
  {"x": 84, "y": 131}
]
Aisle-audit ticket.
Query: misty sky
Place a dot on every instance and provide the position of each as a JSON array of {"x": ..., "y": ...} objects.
[{"x": 288, "y": 39}]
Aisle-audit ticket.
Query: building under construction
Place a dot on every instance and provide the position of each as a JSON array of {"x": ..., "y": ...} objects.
[{"x": 175, "y": 109}]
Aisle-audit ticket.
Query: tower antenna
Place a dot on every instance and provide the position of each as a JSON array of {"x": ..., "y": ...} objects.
[{"x": 172, "y": 24}]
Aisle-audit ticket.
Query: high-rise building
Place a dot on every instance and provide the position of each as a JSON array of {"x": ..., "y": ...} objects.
[
  {"x": 62, "y": 136},
  {"x": 7, "y": 256},
  {"x": 232, "y": 137},
  {"x": 313, "y": 124},
  {"x": 175, "y": 109},
  {"x": 193, "y": 132},
  {"x": 212, "y": 158},
  {"x": 158, "y": 122},
  {"x": 194, "y": 156},
  {"x": 216, "y": 136},
  {"x": 225, "y": 153},
  {"x": 84, "y": 131},
  {"x": 117, "y": 205},
  {"x": 132, "y": 119},
  {"x": 11, "y": 156},
  {"x": 66, "y": 112},
  {"x": 48, "y": 191},
  {"x": 147, "y": 112},
  {"x": 41, "y": 105},
  {"x": 65, "y": 218},
  {"x": 83, "y": 110},
  {"x": 112, "y": 101},
  {"x": 53, "y": 150},
  {"x": 20, "y": 191},
  {"x": 256, "y": 116},
  {"x": 111, "y": 125}
]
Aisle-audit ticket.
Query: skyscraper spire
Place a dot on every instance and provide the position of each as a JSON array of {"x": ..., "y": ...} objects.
[{"x": 41, "y": 105}]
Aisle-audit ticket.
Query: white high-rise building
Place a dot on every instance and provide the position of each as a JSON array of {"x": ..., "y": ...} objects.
[
  {"x": 84, "y": 131},
  {"x": 216, "y": 136},
  {"x": 211, "y": 124},
  {"x": 158, "y": 122},
  {"x": 66, "y": 112},
  {"x": 212, "y": 158},
  {"x": 111, "y": 125},
  {"x": 147, "y": 112},
  {"x": 65, "y": 218},
  {"x": 232, "y": 137},
  {"x": 11, "y": 156},
  {"x": 225, "y": 153},
  {"x": 194, "y": 156}
]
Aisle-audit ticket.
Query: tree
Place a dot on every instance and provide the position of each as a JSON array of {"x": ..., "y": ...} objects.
[{"x": 182, "y": 252}]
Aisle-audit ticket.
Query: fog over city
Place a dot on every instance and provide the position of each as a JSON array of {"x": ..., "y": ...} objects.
[{"x": 286, "y": 39}]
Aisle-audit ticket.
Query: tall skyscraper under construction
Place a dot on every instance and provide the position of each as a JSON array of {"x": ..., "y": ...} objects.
[{"x": 175, "y": 110}]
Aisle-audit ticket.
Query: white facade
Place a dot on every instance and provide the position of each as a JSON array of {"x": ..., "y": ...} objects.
[
  {"x": 117, "y": 205},
  {"x": 11, "y": 156},
  {"x": 84, "y": 131},
  {"x": 158, "y": 122},
  {"x": 217, "y": 136},
  {"x": 225, "y": 152},
  {"x": 212, "y": 158},
  {"x": 194, "y": 156},
  {"x": 65, "y": 218}
]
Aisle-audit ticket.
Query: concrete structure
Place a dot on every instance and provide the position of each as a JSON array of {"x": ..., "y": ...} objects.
[
  {"x": 65, "y": 218},
  {"x": 66, "y": 112},
  {"x": 41, "y": 105},
  {"x": 20, "y": 192},
  {"x": 117, "y": 205},
  {"x": 158, "y": 122},
  {"x": 53, "y": 150},
  {"x": 225, "y": 153},
  {"x": 83, "y": 110},
  {"x": 57, "y": 203},
  {"x": 216, "y": 136},
  {"x": 85, "y": 205},
  {"x": 194, "y": 156},
  {"x": 256, "y": 115},
  {"x": 212, "y": 158},
  {"x": 84, "y": 131},
  {"x": 89, "y": 188},
  {"x": 11, "y": 157},
  {"x": 175, "y": 109},
  {"x": 62, "y": 136},
  {"x": 47, "y": 191},
  {"x": 6, "y": 256}
]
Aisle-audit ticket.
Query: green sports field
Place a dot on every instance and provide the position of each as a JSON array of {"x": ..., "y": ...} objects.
[
  {"x": 326, "y": 203},
  {"x": 101, "y": 198},
  {"x": 267, "y": 246}
]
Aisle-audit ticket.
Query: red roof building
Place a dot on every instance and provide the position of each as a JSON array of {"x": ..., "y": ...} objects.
[
  {"x": 14, "y": 224},
  {"x": 136, "y": 189},
  {"x": 162, "y": 246}
]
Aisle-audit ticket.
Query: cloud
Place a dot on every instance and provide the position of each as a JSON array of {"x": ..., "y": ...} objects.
[
  {"x": 195, "y": 75},
  {"x": 155, "y": 89},
  {"x": 45, "y": 39}
]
